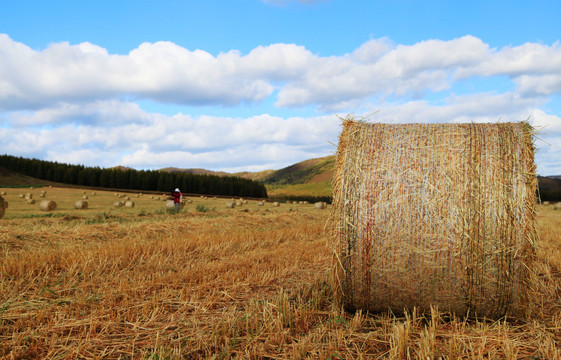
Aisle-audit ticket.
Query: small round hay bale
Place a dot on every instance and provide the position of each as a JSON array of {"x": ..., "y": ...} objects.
[
  {"x": 244, "y": 202},
  {"x": 557, "y": 206},
  {"x": 276, "y": 204},
  {"x": 127, "y": 198},
  {"x": 28, "y": 196},
  {"x": 80, "y": 204},
  {"x": 31, "y": 201},
  {"x": 85, "y": 197},
  {"x": 129, "y": 204},
  {"x": 83, "y": 192},
  {"x": 157, "y": 198},
  {"x": 320, "y": 205},
  {"x": 47, "y": 205},
  {"x": 3, "y": 206},
  {"x": 93, "y": 194},
  {"x": 118, "y": 204},
  {"x": 21, "y": 196},
  {"x": 230, "y": 204},
  {"x": 151, "y": 197},
  {"x": 189, "y": 201},
  {"x": 3, "y": 193},
  {"x": 136, "y": 195},
  {"x": 42, "y": 195},
  {"x": 31, "y": 188},
  {"x": 239, "y": 203},
  {"x": 170, "y": 204},
  {"x": 260, "y": 203}
]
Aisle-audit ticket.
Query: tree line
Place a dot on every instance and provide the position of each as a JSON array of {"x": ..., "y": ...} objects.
[{"x": 147, "y": 180}]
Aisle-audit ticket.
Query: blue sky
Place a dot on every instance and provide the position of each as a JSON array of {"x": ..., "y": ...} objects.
[{"x": 253, "y": 84}]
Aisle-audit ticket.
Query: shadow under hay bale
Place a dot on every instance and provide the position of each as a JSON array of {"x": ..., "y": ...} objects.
[{"x": 435, "y": 215}]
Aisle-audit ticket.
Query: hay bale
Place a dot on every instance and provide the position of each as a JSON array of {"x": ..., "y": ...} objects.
[
  {"x": 21, "y": 196},
  {"x": 28, "y": 196},
  {"x": 3, "y": 206},
  {"x": 239, "y": 203},
  {"x": 435, "y": 215},
  {"x": 31, "y": 201},
  {"x": 42, "y": 195},
  {"x": 546, "y": 203},
  {"x": 557, "y": 206},
  {"x": 276, "y": 204},
  {"x": 80, "y": 204},
  {"x": 93, "y": 194},
  {"x": 231, "y": 204},
  {"x": 170, "y": 204},
  {"x": 118, "y": 204},
  {"x": 85, "y": 197},
  {"x": 47, "y": 205},
  {"x": 260, "y": 203},
  {"x": 129, "y": 204},
  {"x": 3, "y": 193},
  {"x": 320, "y": 205}
]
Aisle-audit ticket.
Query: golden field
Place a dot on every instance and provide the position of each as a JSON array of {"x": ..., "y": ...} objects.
[{"x": 251, "y": 282}]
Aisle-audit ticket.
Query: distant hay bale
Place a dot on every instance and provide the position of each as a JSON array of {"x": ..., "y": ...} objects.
[
  {"x": 85, "y": 197},
  {"x": 118, "y": 204},
  {"x": 80, "y": 204},
  {"x": 260, "y": 203},
  {"x": 189, "y": 201},
  {"x": 171, "y": 205},
  {"x": 129, "y": 204},
  {"x": 93, "y": 194},
  {"x": 28, "y": 196},
  {"x": 31, "y": 201},
  {"x": 231, "y": 204},
  {"x": 276, "y": 204},
  {"x": 3, "y": 206},
  {"x": 42, "y": 195},
  {"x": 47, "y": 205},
  {"x": 320, "y": 205},
  {"x": 435, "y": 215},
  {"x": 31, "y": 188},
  {"x": 545, "y": 203},
  {"x": 239, "y": 203},
  {"x": 244, "y": 202},
  {"x": 21, "y": 196},
  {"x": 3, "y": 193},
  {"x": 557, "y": 206}
]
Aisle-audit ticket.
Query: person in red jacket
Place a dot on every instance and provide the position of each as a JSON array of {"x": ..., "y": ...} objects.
[{"x": 177, "y": 196}]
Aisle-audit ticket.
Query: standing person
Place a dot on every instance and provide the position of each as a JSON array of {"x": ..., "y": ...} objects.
[{"x": 177, "y": 196}]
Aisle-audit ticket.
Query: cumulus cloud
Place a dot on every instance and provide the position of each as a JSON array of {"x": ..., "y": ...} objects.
[{"x": 76, "y": 103}]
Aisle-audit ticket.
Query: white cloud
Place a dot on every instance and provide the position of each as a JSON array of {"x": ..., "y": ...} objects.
[{"x": 76, "y": 103}]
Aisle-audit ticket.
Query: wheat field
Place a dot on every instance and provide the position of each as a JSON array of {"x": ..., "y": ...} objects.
[{"x": 215, "y": 283}]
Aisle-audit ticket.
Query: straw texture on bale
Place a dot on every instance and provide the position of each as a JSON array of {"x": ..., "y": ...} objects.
[
  {"x": 435, "y": 215},
  {"x": 80, "y": 204},
  {"x": 47, "y": 205}
]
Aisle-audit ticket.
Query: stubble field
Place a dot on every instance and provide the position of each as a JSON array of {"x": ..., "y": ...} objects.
[{"x": 210, "y": 282}]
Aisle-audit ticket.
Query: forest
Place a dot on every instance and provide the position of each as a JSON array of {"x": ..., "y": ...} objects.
[{"x": 142, "y": 180}]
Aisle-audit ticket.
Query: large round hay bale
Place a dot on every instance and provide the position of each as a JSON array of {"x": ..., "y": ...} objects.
[
  {"x": 129, "y": 204},
  {"x": 3, "y": 206},
  {"x": 435, "y": 215},
  {"x": 320, "y": 205},
  {"x": 47, "y": 205},
  {"x": 80, "y": 204}
]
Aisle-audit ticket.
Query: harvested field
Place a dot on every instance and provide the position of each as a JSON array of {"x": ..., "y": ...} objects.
[{"x": 139, "y": 282}]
